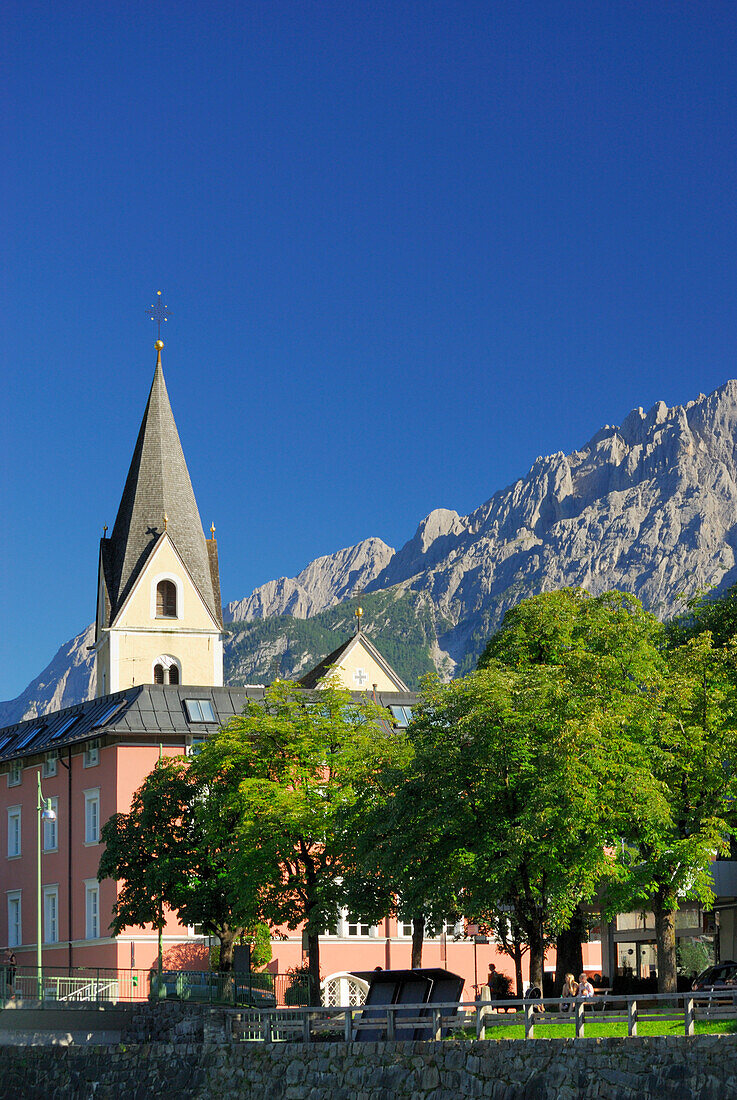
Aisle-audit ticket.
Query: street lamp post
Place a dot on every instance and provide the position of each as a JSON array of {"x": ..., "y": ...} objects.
[{"x": 44, "y": 812}]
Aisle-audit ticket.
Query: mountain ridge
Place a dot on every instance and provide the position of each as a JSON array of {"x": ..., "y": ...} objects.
[{"x": 649, "y": 506}]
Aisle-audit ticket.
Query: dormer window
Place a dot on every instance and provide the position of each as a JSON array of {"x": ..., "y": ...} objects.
[{"x": 166, "y": 600}]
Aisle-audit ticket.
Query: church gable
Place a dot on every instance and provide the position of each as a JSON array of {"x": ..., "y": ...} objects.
[
  {"x": 358, "y": 666},
  {"x": 165, "y": 596}
]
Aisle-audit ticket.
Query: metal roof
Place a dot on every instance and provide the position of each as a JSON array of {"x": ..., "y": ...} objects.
[{"x": 147, "y": 711}]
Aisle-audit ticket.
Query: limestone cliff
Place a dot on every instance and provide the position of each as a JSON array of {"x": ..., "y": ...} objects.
[{"x": 649, "y": 506}]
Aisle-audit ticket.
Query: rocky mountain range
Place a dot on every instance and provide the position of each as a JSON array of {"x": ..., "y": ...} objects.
[{"x": 649, "y": 506}]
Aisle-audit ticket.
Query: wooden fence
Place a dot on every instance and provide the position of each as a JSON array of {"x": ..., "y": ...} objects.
[{"x": 430, "y": 1021}]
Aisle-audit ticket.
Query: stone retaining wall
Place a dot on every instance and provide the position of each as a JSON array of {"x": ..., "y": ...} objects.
[{"x": 701, "y": 1068}]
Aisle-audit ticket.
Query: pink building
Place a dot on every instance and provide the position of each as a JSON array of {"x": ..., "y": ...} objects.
[{"x": 160, "y": 688}]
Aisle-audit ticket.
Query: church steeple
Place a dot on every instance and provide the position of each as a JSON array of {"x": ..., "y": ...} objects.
[
  {"x": 158, "y": 496},
  {"x": 159, "y": 592}
]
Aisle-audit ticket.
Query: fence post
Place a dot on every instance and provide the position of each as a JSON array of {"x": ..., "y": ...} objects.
[
  {"x": 529, "y": 1021},
  {"x": 689, "y": 1015},
  {"x": 480, "y": 1027},
  {"x": 348, "y": 1025},
  {"x": 266, "y": 1027},
  {"x": 437, "y": 1024},
  {"x": 632, "y": 1018},
  {"x": 579, "y": 1020},
  {"x": 391, "y": 1020},
  {"x": 306, "y": 1026}
]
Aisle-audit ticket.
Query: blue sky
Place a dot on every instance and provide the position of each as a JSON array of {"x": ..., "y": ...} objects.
[{"x": 406, "y": 248}]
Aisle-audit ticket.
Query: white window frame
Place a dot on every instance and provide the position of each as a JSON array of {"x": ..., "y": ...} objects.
[
  {"x": 15, "y": 918},
  {"x": 15, "y": 773},
  {"x": 91, "y": 909},
  {"x": 15, "y": 815},
  {"x": 51, "y": 914},
  {"x": 345, "y": 921},
  {"x": 50, "y": 764},
  {"x": 402, "y": 926},
  {"x": 50, "y": 830},
  {"x": 155, "y": 581},
  {"x": 91, "y": 757},
  {"x": 457, "y": 931},
  {"x": 92, "y": 835}
]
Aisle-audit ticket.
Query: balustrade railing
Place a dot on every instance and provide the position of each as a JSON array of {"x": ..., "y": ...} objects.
[{"x": 57, "y": 985}]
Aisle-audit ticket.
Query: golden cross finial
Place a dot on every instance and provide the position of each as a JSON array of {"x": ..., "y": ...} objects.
[
  {"x": 104, "y": 531},
  {"x": 158, "y": 314},
  {"x": 166, "y": 520},
  {"x": 212, "y": 530},
  {"x": 359, "y": 616}
]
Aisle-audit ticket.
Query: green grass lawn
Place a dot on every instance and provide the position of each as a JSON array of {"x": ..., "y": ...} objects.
[{"x": 605, "y": 1030}]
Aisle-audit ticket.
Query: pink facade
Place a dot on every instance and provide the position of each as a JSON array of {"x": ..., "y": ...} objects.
[
  {"x": 87, "y": 789},
  {"x": 108, "y": 776}
]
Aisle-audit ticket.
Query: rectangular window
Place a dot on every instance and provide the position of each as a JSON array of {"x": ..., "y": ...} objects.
[
  {"x": 50, "y": 833},
  {"x": 405, "y": 929},
  {"x": 199, "y": 710},
  {"x": 51, "y": 914},
  {"x": 451, "y": 927},
  {"x": 29, "y": 736},
  {"x": 14, "y": 920},
  {"x": 92, "y": 910},
  {"x": 92, "y": 754},
  {"x": 49, "y": 764},
  {"x": 64, "y": 727},
  {"x": 402, "y": 716},
  {"x": 356, "y": 927},
  {"x": 15, "y": 774},
  {"x": 13, "y": 832},
  {"x": 108, "y": 713},
  {"x": 92, "y": 816}
]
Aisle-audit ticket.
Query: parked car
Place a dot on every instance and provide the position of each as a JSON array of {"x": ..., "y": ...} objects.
[{"x": 721, "y": 976}]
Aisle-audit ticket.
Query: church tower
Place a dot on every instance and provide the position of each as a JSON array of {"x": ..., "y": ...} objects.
[{"x": 159, "y": 617}]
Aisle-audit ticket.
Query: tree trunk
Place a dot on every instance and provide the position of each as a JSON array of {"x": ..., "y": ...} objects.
[
  {"x": 665, "y": 934},
  {"x": 227, "y": 939},
  {"x": 418, "y": 936},
  {"x": 313, "y": 963},
  {"x": 518, "y": 969},
  {"x": 537, "y": 954},
  {"x": 569, "y": 953}
]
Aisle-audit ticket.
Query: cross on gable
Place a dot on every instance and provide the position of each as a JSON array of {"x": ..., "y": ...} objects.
[{"x": 360, "y": 677}]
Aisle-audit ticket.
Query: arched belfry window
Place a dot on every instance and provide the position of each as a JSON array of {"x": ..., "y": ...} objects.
[
  {"x": 167, "y": 670},
  {"x": 166, "y": 600}
]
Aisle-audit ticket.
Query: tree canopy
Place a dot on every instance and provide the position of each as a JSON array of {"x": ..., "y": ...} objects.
[{"x": 288, "y": 772}]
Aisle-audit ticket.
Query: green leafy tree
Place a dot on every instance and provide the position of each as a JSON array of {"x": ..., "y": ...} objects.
[
  {"x": 508, "y": 796},
  {"x": 175, "y": 849},
  {"x": 692, "y": 751},
  {"x": 287, "y": 773},
  {"x": 383, "y": 874}
]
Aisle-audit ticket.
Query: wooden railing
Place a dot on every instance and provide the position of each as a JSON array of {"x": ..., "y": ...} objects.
[{"x": 396, "y": 1022}]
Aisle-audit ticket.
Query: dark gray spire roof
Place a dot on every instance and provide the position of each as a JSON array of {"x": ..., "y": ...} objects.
[{"x": 157, "y": 484}]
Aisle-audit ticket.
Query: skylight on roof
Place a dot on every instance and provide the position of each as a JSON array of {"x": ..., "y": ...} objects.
[
  {"x": 108, "y": 713},
  {"x": 65, "y": 726},
  {"x": 402, "y": 716},
  {"x": 199, "y": 710},
  {"x": 28, "y": 737}
]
